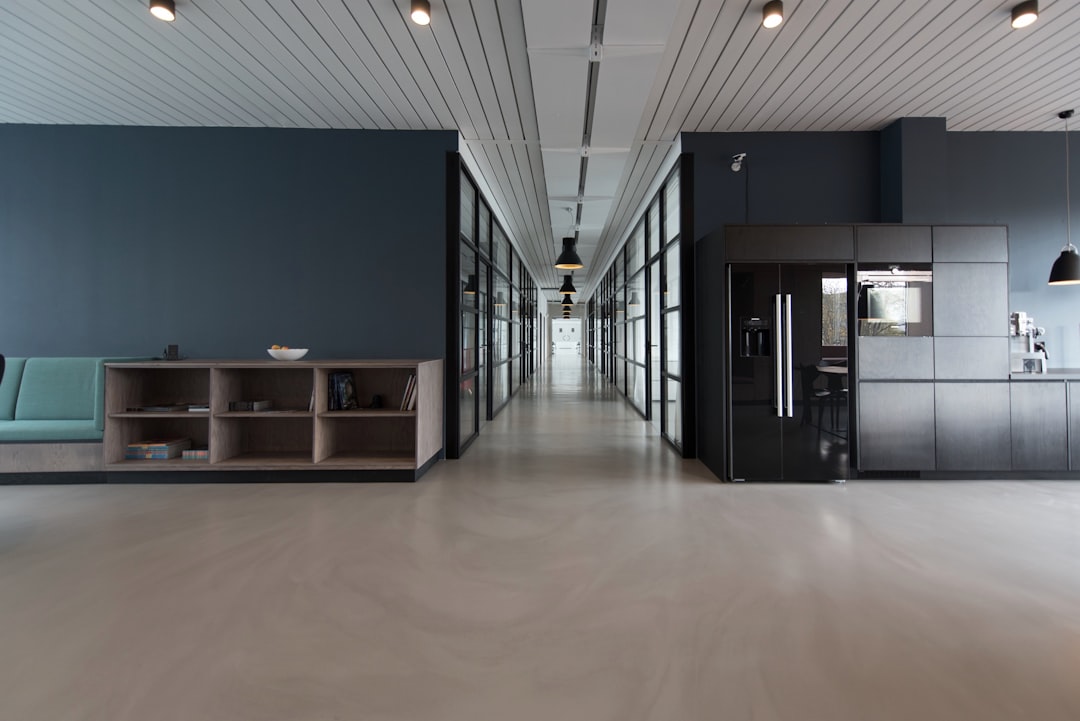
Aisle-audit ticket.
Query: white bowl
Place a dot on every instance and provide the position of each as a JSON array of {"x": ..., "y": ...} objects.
[{"x": 290, "y": 354}]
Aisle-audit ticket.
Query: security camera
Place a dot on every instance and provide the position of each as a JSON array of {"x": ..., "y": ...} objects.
[{"x": 737, "y": 161}]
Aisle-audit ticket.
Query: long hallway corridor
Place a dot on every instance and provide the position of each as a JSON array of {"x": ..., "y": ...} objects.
[{"x": 571, "y": 566}]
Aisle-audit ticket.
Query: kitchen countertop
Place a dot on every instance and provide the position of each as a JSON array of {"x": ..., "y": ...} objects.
[{"x": 1052, "y": 374}]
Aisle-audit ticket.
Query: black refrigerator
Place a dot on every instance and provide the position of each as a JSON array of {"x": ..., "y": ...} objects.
[{"x": 788, "y": 410}]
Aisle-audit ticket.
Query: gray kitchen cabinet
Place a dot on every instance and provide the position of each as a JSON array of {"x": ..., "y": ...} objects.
[
  {"x": 1074, "y": 425},
  {"x": 971, "y": 243},
  {"x": 976, "y": 359},
  {"x": 896, "y": 427},
  {"x": 971, "y": 299},
  {"x": 896, "y": 357},
  {"x": 893, "y": 243},
  {"x": 974, "y": 426},
  {"x": 1040, "y": 439},
  {"x": 789, "y": 242}
]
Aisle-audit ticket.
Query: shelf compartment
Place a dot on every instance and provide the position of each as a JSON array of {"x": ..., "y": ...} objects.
[
  {"x": 387, "y": 383},
  {"x": 126, "y": 428},
  {"x": 136, "y": 387},
  {"x": 383, "y": 436},
  {"x": 288, "y": 387},
  {"x": 258, "y": 434}
]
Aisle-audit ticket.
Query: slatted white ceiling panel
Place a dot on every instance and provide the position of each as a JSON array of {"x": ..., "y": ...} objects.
[
  {"x": 511, "y": 77},
  {"x": 290, "y": 63}
]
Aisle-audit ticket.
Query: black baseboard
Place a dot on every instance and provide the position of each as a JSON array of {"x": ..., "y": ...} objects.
[
  {"x": 55, "y": 478},
  {"x": 223, "y": 476},
  {"x": 343, "y": 476}
]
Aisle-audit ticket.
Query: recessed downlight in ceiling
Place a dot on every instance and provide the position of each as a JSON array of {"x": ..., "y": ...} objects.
[
  {"x": 773, "y": 14},
  {"x": 163, "y": 10},
  {"x": 1025, "y": 14},
  {"x": 421, "y": 12}
]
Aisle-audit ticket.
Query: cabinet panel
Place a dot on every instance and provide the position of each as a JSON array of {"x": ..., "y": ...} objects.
[
  {"x": 896, "y": 427},
  {"x": 976, "y": 244},
  {"x": 893, "y": 243},
  {"x": 971, "y": 359},
  {"x": 973, "y": 426},
  {"x": 795, "y": 242},
  {"x": 971, "y": 299},
  {"x": 1074, "y": 425},
  {"x": 901, "y": 358},
  {"x": 1039, "y": 437}
]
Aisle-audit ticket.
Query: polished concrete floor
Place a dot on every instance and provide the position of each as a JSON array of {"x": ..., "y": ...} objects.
[{"x": 570, "y": 568}]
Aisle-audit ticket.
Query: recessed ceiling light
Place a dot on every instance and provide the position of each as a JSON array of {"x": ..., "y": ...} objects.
[
  {"x": 1025, "y": 13},
  {"x": 421, "y": 12},
  {"x": 773, "y": 14},
  {"x": 163, "y": 10}
]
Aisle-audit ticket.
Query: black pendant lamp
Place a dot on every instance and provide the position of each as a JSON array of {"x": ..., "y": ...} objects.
[
  {"x": 567, "y": 301},
  {"x": 470, "y": 286},
  {"x": 568, "y": 286},
  {"x": 568, "y": 258},
  {"x": 634, "y": 300},
  {"x": 500, "y": 300},
  {"x": 1066, "y": 270}
]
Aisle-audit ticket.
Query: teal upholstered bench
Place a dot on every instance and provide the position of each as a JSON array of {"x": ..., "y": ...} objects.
[{"x": 52, "y": 414}]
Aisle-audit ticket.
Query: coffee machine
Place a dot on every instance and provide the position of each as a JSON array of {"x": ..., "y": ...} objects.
[{"x": 1027, "y": 355}]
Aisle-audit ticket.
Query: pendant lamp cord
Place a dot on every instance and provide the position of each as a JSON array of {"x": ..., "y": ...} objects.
[{"x": 1068, "y": 194}]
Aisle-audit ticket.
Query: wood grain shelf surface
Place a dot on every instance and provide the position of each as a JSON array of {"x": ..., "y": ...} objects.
[
  {"x": 368, "y": 413},
  {"x": 265, "y": 414},
  {"x": 373, "y": 460},
  {"x": 284, "y": 460},
  {"x": 172, "y": 415}
]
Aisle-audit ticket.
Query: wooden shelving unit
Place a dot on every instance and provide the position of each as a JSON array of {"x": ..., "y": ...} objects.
[{"x": 288, "y": 437}]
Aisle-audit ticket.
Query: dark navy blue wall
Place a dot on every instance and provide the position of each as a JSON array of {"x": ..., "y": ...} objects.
[
  {"x": 1018, "y": 179},
  {"x": 118, "y": 240},
  {"x": 792, "y": 178}
]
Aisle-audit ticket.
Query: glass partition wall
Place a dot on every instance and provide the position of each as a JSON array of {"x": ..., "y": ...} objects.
[
  {"x": 639, "y": 328},
  {"x": 491, "y": 315}
]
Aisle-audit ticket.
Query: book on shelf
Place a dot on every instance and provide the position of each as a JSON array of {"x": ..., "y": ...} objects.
[
  {"x": 156, "y": 449},
  {"x": 342, "y": 392},
  {"x": 250, "y": 405},
  {"x": 196, "y": 454},
  {"x": 199, "y": 408},
  {"x": 411, "y": 406},
  {"x": 409, "y": 386}
]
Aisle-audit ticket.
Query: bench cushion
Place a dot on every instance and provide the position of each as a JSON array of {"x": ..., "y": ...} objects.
[
  {"x": 22, "y": 431},
  {"x": 9, "y": 387},
  {"x": 58, "y": 389}
]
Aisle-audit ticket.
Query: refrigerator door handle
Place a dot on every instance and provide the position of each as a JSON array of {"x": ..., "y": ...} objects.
[
  {"x": 778, "y": 358},
  {"x": 787, "y": 354}
]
